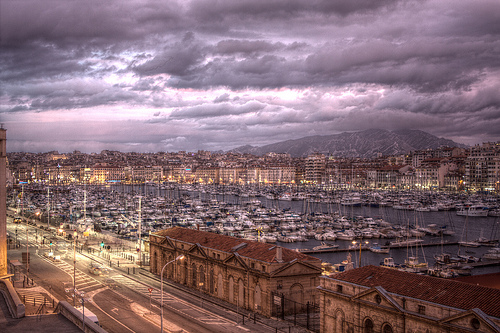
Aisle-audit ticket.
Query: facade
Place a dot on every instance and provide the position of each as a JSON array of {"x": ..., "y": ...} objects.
[
  {"x": 482, "y": 168},
  {"x": 378, "y": 299},
  {"x": 245, "y": 273},
  {"x": 475, "y": 169},
  {"x": 315, "y": 168},
  {"x": 386, "y": 177},
  {"x": 207, "y": 175},
  {"x": 103, "y": 173}
]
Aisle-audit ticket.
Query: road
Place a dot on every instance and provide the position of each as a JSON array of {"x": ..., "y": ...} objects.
[{"x": 123, "y": 302}]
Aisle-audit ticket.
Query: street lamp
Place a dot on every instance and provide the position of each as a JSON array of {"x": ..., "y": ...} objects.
[
  {"x": 180, "y": 257},
  {"x": 360, "y": 243},
  {"x": 27, "y": 243},
  {"x": 74, "y": 266}
]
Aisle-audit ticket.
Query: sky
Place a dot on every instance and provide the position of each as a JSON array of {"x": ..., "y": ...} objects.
[{"x": 151, "y": 76}]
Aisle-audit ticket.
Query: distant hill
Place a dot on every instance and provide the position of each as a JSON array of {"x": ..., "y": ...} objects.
[{"x": 364, "y": 144}]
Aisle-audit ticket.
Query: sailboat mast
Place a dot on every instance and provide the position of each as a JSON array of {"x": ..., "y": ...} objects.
[{"x": 139, "y": 231}]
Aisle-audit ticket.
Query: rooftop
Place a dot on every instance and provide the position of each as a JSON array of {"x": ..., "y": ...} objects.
[
  {"x": 442, "y": 291},
  {"x": 255, "y": 250}
]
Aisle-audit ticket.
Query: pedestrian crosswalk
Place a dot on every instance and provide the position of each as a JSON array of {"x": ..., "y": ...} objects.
[
  {"x": 83, "y": 282},
  {"x": 35, "y": 298}
]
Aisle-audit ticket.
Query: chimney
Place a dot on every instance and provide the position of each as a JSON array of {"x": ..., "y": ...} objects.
[{"x": 279, "y": 254}]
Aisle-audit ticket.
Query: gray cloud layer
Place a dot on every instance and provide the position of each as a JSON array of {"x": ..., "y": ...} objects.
[{"x": 219, "y": 74}]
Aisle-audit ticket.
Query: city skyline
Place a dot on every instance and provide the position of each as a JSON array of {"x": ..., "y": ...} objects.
[{"x": 215, "y": 75}]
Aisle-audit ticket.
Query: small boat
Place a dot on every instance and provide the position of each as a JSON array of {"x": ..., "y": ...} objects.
[
  {"x": 475, "y": 210},
  {"x": 378, "y": 249},
  {"x": 325, "y": 246},
  {"x": 469, "y": 244},
  {"x": 492, "y": 254}
]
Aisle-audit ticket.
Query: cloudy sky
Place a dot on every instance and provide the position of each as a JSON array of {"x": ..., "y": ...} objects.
[{"x": 148, "y": 76}]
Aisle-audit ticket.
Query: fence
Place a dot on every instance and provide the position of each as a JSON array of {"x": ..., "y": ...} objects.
[{"x": 305, "y": 315}]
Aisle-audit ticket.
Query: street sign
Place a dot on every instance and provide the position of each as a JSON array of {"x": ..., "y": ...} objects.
[{"x": 150, "y": 290}]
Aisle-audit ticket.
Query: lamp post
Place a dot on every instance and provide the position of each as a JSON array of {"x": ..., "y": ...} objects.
[
  {"x": 27, "y": 243},
  {"x": 360, "y": 243},
  {"x": 180, "y": 257},
  {"x": 74, "y": 267}
]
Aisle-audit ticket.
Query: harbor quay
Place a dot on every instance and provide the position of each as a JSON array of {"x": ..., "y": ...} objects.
[
  {"x": 340, "y": 218},
  {"x": 111, "y": 220}
]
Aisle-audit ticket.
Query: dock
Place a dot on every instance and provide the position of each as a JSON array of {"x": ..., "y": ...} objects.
[{"x": 365, "y": 248}]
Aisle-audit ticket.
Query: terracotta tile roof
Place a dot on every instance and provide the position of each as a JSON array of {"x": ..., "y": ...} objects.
[
  {"x": 442, "y": 291},
  {"x": 256, "y": 250},
  {"x": 491, "y": 280}
]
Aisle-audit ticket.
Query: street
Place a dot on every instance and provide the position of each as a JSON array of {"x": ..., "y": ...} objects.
[{"x": 125, "y": 298}]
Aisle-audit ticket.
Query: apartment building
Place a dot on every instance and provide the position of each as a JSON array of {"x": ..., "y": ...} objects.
[
  {"x": 315, "y": 166},
  {"x": 482, "y": 167}
]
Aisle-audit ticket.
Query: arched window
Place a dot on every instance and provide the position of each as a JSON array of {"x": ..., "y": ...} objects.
[
  {"x": 297, "y": 295},
  {"x": 257, "y": 298},
  {"x": 368, "y": 327},
  {"x": 185, "y": 273},
  {"x": 339, "y": 321},
  {"x": 220, "y": 286},
  {"x": 211, "y": 282},
  {"x": 241, "y": 293},
  {"x": 230, "y": 290},
  {"x": 194, "y": 275},
  {"x": 169, "y": 269},
  {"x": 202, "y": 277},
  {"x": 387, "y": 328}
]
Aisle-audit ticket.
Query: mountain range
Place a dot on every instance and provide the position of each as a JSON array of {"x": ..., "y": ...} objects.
[{"x": 363, "y": 144}]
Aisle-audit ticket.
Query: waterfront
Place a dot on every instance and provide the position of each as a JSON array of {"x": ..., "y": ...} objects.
[{"x": 211, "y": 208}]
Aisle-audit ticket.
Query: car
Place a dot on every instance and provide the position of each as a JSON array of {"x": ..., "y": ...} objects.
[
  {"x": 17, "y": 220},
  {"x": 98, "y": 269},
  {"x": 61, "y": 245}
]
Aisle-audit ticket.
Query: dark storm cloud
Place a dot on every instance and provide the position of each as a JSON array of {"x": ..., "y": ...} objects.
[
  {"x": 249, "y": 71},
  {"x": 92, "y": 21},
  {"x": 280, "y": 9},
  {"x": 217, "y": 110},
  {"x": 244, "y": 46},
  {"x": 178, "y": 61}
]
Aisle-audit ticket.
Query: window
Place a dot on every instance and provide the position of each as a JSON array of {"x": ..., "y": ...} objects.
[
  {"x": 339, "y": 288},
  {"x": 378, "y": 299},
  {"x": 421, "y": 309},
  {"x": 387, "y": 328},
  {"x": 368, "y": 326},
  {"x": 475, "y": 323}
]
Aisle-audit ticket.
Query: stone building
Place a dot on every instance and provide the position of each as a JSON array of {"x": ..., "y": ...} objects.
[
  {"x": 378, "y": 299},
  {"x": 242, "y": 272}
]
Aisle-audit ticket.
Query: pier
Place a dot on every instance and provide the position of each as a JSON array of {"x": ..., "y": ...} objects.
[{"x": 364, "y": 248}]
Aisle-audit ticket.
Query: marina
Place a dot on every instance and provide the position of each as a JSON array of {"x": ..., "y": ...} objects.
[{"x": 327, "y": 224}]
